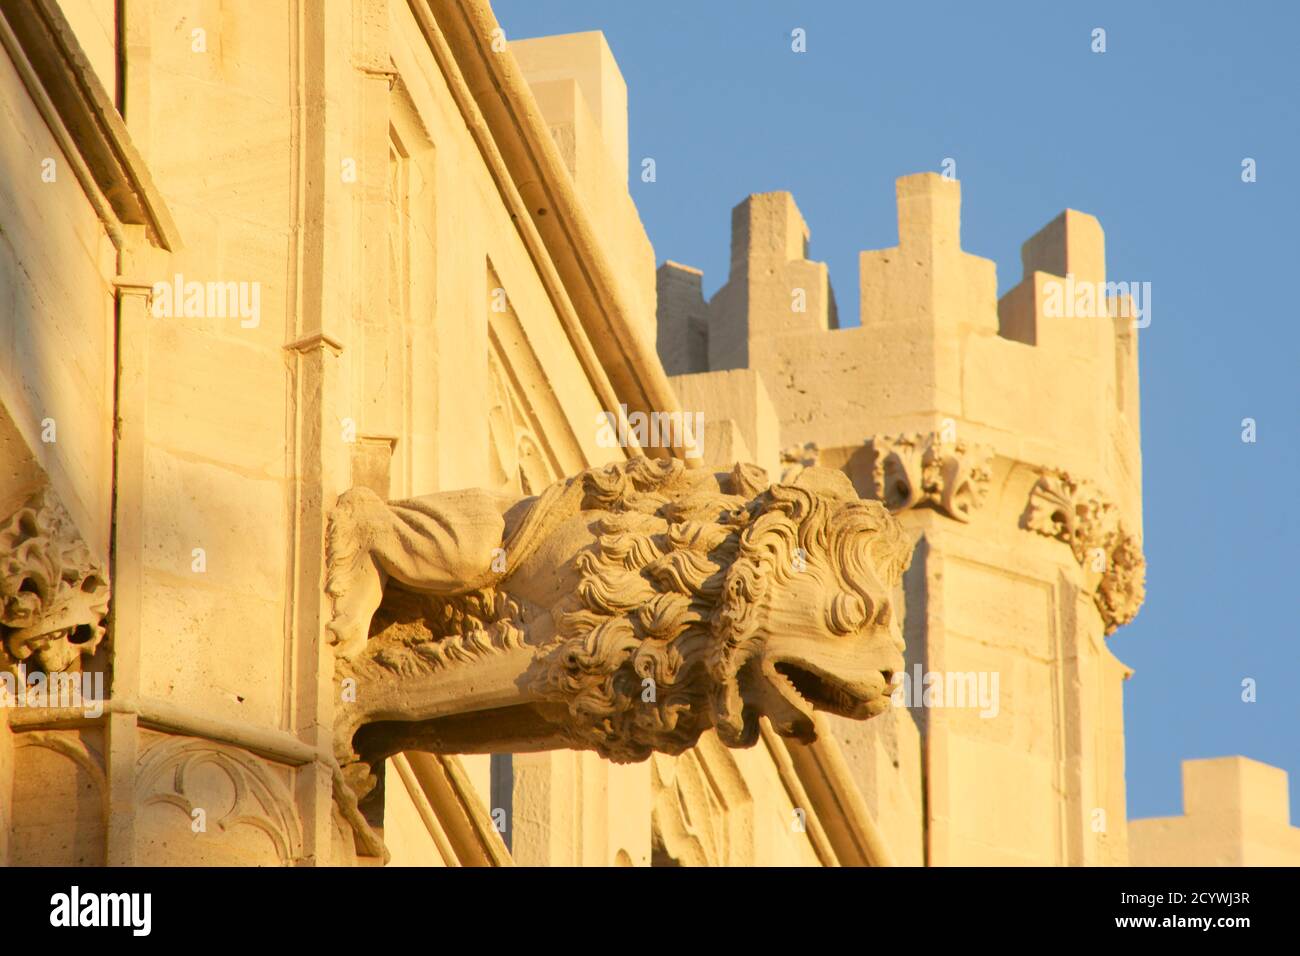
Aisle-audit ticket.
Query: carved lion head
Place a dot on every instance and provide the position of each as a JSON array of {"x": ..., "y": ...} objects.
[{"x": 711, "y": 604}]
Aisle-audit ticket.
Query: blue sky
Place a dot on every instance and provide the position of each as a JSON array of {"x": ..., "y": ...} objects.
[{"x": 1149, "y": 137}]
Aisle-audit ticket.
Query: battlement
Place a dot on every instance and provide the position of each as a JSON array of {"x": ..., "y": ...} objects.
[
  {"x": 1047, "y": 375},
  {"x": 927, "y": 277},
  {"x": 1236, "y": 812},
  {"x": 683, "y": 333},
  {"x": 767, "y": 228}
]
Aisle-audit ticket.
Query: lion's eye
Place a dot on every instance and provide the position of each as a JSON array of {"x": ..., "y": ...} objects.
[
  {"x": 848, "y": 612},
  {"x": 885, "y": 614}
]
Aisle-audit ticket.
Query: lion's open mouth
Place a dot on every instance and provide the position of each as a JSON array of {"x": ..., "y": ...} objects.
[{"x": 824, "y": 692}]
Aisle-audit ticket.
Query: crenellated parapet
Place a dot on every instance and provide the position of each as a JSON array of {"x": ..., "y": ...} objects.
[{"x": 941, "y": 375}]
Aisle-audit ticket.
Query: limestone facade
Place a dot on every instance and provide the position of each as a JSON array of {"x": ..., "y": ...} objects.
[{"x": 269, "y": 267}]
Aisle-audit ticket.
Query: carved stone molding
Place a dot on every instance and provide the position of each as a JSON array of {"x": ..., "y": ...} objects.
[
  {"x": 626, "y": 610},
  {"x": 703, "y": 812},
  {"x": 1074, "y": 511},
  {"x": 53, "y": 594},
  {"x": 927, "y": 470},
  {"x": 518, "y": 458}
]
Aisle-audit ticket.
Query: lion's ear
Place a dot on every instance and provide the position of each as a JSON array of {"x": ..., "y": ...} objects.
[
  {"x": 747, "y": 480},
  {"x": 826, "y": 481}
]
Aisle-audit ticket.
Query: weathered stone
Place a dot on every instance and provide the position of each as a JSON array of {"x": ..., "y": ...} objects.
[
  {"x": 315, "y": 328},
  {"x": 627, "y": 610}
]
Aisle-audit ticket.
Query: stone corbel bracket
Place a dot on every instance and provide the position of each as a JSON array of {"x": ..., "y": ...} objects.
[
  {"x": 1074, "y": 511},
  {"x": 929, "y": 470},
  {"x": 53, "y": 594}
]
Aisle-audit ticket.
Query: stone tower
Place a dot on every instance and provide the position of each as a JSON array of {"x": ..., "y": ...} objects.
[{"x": 1005, "y": 435}]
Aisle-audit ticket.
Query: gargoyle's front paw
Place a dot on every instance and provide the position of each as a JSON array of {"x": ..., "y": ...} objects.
[
  {"x": 359, "y": 591},
  {"x": 354, "y": 581},
  {"x": 348, "y": 634}
]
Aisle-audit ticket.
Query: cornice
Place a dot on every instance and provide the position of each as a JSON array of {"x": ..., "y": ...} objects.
[{"x": 82, "y": 115}]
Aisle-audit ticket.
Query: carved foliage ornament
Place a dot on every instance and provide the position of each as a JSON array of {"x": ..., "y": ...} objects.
[
  {"x": 53, "y": 594},
  {"x": 912, "y": 471},
  {"x": 635, "y": 607},
  {"x": 1075, "y": 512}
]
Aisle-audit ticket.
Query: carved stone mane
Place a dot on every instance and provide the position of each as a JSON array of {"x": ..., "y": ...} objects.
[{"x": 627, "y": 610}]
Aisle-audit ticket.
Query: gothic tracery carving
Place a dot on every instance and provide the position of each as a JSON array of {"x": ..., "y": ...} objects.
[{"x": 168, "y": 774}]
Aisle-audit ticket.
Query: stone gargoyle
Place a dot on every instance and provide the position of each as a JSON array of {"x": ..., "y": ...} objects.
[{"x": 627, "y": 609}]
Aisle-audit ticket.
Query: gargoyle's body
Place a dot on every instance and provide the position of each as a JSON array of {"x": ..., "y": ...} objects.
[{"x": 626, "y": 610}]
